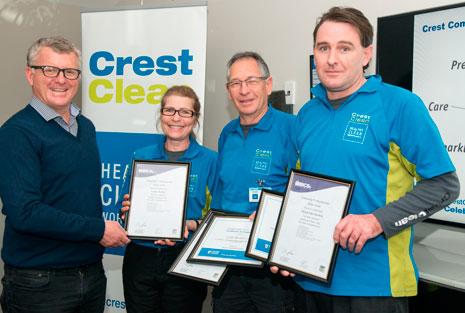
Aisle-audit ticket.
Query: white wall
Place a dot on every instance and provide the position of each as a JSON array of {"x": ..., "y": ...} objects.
[
  {"x": 21, "y": 23},
  {"x": 281, "y": 31}
]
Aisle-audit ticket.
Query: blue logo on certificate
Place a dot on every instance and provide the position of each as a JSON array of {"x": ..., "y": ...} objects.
[
  {"x": 222, "y": 253},
  {"x": 263, "y": 245}
]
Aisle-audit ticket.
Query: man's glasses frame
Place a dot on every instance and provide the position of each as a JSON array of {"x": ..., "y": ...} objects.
[
  {"x": 250, "y": 82},
  {"x": 53, "y": 71}
]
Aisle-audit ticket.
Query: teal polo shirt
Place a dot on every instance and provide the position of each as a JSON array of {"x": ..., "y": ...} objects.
[
  {"x": 258, "y": 161},
  {"x": 382, "y": 137}
]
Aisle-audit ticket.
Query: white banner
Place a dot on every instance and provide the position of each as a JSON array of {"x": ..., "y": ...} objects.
[
  {"x": 129, "y": 59},
  {"x": 438, "y": 78}
]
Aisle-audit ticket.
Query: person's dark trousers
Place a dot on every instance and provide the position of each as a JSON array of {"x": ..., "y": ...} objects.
[
  {"x": 149, "y": 288},
  {"x": 71, "y": 290},
  {"x": 315, "y": 302},
  {"x": 248, "y": 289}
]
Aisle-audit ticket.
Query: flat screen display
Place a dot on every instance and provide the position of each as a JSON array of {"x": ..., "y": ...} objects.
[{"x": 424, "y": 51}]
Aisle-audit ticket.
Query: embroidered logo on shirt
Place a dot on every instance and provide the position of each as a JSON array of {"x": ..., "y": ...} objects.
[
  {"x": 357, "y": 128},
  {"x": 193, "y": 181},
  {"x": 261, "y": 162}
]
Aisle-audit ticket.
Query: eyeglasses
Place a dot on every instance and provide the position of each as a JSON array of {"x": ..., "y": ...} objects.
[
  {"x": 250, "y": 82},
  {"x": 181, "y": 112},
  {"x": 53, "y": 71}
]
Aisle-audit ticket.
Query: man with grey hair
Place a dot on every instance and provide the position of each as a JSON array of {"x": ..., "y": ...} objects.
[
  {"x": 50, "y": 188},
  {"x": 253, "y": 155}
]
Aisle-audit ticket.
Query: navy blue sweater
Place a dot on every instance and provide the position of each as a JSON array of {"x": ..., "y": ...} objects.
[{"x": 50, "y": 189}]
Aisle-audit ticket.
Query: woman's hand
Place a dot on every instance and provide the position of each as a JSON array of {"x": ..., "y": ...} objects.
[{"x": 126, "y": 204}]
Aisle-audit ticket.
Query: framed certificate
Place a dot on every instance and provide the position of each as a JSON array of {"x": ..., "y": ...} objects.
[
  {"x": 264, "y": 225},
  {"x": 303, "y": 242},
  {"x": 205, "y": 272},
  {"x": 158, "y": 193},
  {"x": 224, "y": 241}
]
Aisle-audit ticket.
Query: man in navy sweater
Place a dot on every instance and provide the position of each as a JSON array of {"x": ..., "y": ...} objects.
[{"x": 50, "y": 188}]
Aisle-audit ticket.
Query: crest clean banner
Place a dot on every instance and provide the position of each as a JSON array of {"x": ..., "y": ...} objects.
[
  {"x": 129, "y": 59},
  {"x": 438, "y": 78}
]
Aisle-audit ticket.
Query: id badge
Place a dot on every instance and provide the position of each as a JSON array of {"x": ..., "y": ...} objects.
[{"x": 254, "y": 194}]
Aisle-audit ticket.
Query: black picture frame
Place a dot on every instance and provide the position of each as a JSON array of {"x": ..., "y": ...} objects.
[
  {"x": 282, "y": 253},
  {"x": 151, "y": 168},
  {"x": 208, "y": 254},
  {"x": 257, "y": 247},
  {"x": 211, "y": 274}
]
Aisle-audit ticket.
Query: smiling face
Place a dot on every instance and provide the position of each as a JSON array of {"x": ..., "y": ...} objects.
[
  {"x": 55, "y": 92},
  {"x": 176, "y": 128},
  {"x": 340, "y": 58},
  {"x": 250, "y": 101}
]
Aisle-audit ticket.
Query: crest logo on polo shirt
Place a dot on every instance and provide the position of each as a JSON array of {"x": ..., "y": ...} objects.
[
  {"x": 193, "y": 181},
  {"x": 357, "y": 128},
  {"x": 262, "y": 161}
]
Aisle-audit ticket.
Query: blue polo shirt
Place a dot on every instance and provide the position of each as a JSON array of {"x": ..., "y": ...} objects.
[
  {"x": 260, "y": 161},
  {"x": 201, "y": 181},
  {"x": 382, "y": 137}
]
